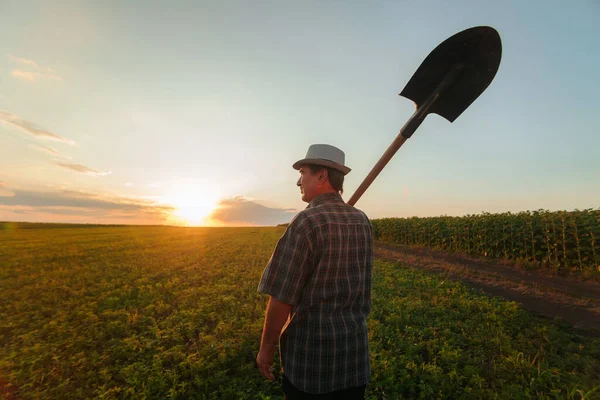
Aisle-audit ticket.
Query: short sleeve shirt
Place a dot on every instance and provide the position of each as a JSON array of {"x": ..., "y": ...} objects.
[{"x": 322, "y": 266}]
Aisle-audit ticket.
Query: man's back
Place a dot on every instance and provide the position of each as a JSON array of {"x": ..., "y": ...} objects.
[{"x": 323, "y": 266}]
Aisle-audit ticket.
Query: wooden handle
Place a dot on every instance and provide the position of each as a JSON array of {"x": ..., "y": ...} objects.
[
  {"x": 385, "y": 158},
  {"x": 406, "y": 132}
]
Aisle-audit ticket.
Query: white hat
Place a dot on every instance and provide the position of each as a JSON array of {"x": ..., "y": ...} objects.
[{"x": 325, "y": 155}]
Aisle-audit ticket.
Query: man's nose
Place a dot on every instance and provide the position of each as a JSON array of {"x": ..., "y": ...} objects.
[{"x": 298, "y": 183}]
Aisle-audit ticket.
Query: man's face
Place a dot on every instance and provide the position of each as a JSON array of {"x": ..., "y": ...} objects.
[{"x": 309, "y": 183}]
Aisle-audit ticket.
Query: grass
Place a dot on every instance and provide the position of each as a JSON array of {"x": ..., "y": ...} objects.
[{"x": 162, "y": 312}]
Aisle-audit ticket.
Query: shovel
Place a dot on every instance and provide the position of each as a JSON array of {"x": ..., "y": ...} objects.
[{"x": 452, "y": 76}]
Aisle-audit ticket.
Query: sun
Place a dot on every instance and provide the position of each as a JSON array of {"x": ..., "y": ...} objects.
[
  {"x": 192, "y": 205},
  {"x": 195, "y": 215}
]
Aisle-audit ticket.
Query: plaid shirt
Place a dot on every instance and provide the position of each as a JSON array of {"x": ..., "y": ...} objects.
[{"x": 323, "y": 266}]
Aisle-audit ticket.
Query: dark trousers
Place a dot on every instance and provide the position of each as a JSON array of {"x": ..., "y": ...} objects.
[{"x": 291, "y": 393}]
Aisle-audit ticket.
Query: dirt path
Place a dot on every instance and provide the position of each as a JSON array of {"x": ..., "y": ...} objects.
[{"x": 576, "y": 302}]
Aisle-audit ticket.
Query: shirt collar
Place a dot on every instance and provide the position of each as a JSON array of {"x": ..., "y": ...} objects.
[{"x": 325, "y": 198}]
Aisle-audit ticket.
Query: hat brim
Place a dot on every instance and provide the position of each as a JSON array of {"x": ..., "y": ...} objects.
[{"x": 319, "y": 161}]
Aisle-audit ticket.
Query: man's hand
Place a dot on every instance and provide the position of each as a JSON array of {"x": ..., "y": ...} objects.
[
  {"x": 264, "y": 360},
  {"x": 276, "y": 316}
]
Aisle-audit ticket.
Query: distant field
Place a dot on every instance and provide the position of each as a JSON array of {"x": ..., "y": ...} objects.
[
  {"x": 160, "y": 312},
  {"x": 567, "y": 242}
]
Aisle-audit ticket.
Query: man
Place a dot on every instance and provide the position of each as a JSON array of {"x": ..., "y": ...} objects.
[{"x": 319, "y": 280}]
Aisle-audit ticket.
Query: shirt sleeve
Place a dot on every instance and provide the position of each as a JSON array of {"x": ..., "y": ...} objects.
[{"x": 289, "y": 268}]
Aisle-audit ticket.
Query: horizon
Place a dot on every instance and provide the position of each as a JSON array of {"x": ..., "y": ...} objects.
[
  {"x": 192, "y": 114},
  {"x": 273, "y": 226}
]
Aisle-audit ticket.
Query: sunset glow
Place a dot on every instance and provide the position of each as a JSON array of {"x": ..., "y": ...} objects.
[
  {"x": 197, "y": 119},
  {"x": 193, "y": 205}
]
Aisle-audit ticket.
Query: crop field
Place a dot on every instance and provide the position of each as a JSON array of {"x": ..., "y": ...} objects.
[
  {"x": 173, "y": 313},
  {"x": 563, "y": 241}
]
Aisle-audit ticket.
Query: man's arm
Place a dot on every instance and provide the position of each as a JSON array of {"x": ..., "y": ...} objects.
[
  {"x": 275, "y": 318},
  {"x": 284, "y": 278}
]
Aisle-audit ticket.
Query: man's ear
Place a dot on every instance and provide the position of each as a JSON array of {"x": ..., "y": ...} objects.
[{"x": 323, "y": 174}]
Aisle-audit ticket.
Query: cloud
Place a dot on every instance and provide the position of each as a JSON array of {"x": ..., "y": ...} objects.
[
  {"x": 39, "y": 73},
  {"x": 25, "y": 61},
  {"x": 79, "y": 206},
  {"x": 83, "y": 169},
  {"x": 68, "y": 201},
  {"x": 129, "y": 184},
  {"x": 28, "y": 127},
  {"x": 26, "y": 76},
  {"x": 4, "y": 191},
  {"x": 241, "y": 211},
  {"x": 32, "y": 76},
  {"x": 50, "y": 150}
]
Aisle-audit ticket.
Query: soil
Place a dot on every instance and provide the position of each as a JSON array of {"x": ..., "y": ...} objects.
[{"x": 574, "y": 301}]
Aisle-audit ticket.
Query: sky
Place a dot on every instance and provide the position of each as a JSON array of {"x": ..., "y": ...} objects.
[{"x": 192, "y": 113}]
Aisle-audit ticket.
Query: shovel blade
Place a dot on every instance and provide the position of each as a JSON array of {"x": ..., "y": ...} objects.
[{"x": 478, "y": 50}]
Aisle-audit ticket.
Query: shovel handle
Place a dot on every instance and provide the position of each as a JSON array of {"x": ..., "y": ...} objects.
[{"x": 406, "y": 132}]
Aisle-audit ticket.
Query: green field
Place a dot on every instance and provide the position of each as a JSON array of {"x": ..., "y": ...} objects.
[
  {"x": 562, "y": 241},
  {"x": 159, "y": 312}
]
